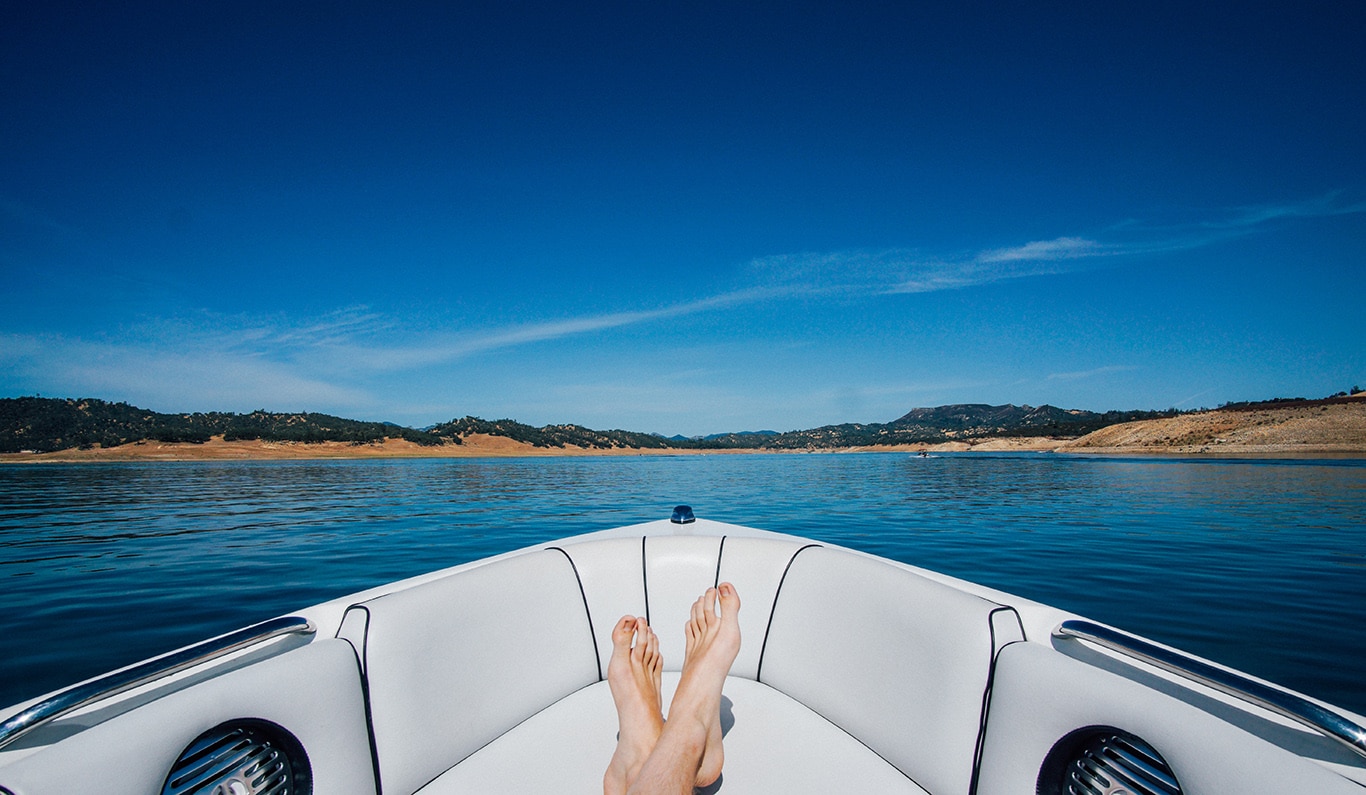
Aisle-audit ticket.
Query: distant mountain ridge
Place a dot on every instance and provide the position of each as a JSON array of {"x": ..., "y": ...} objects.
[
  {"x": 50, "y": 424},
  {"x": 552, "y": 435},
  {"x": 960, "y": 422}
]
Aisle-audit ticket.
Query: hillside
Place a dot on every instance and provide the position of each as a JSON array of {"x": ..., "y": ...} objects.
[
  {"x": 91, "y": 429},
  {"x": 556, "y": 435},
  {"x": 45, "y": 425},
  {"x": 48, "y": 424},
  {"x": 1334, "y": 425},
  {"x": 961, "y": 422}
]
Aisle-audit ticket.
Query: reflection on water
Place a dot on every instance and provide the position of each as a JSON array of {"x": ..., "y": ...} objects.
[{"x": 1260, "y": 565}]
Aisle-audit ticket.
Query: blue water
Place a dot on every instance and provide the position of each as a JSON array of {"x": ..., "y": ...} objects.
[{"x": 1257, "y": 564}]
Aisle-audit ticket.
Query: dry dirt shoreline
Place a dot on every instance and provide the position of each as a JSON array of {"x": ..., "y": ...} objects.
[
  {"x": 1338, "y": 428},
  {"x": 1328, "y": 430},
  {"x": 216, "y": 449}
]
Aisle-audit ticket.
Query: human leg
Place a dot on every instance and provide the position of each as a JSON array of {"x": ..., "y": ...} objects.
[
  {"x": 703, "y": 613},
  {"x": 633, "y": 675},
  {"x": 688, "y": 753}
]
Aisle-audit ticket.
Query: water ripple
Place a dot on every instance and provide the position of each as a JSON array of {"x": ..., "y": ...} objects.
[{"x": 1255, "y": 564}]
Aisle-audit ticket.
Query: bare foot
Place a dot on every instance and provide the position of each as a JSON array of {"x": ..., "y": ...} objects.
[
  {"x": 633, "y": 674},
  {"x": 712, "y": 645}
]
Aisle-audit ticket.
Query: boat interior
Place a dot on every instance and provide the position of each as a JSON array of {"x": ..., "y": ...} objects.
[{"x": 855, "y": 674}]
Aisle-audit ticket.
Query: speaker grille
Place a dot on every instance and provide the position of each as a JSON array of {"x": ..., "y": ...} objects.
[
  {"x": 241, "y": 758},
  {"x": 1112, "y": 763}
]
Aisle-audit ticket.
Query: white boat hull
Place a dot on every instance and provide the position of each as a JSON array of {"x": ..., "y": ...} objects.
[{"x": 856, "y": 674}]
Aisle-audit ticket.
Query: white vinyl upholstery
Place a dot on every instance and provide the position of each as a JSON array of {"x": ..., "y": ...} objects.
[
  {"x": 313, "y": 692},
  {"x": 774, "y": 746},
  {"x": 1041, "y": 695},
  {"x": 858, "y": 693},
  {"x": 453, "y": 663},
  {"x": 755, "y": 566},
  {"x": 677, "y": 571},
  {"x": 613, "y": 585},
  {"x": 895, "y": 659}
]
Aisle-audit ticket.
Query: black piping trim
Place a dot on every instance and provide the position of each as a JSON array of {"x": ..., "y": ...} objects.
[
  {"x": 645, "y": 579},
  {"x": 592, "y": 635},
  {"x": 986, "y": 693},
  {"x": 720, "y": 551},
  {"x": 363, "y": 661},
  {"x": 759, "y": 669}
]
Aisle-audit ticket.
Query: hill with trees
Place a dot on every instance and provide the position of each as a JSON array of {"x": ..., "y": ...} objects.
[
  {"x": 554, "y": 435},
  {"x": 50, "y": 424},
  {"x": 962, "y": 422}
]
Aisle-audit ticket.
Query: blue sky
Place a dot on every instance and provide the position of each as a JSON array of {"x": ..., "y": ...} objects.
[{"x": 681, "y": 219}]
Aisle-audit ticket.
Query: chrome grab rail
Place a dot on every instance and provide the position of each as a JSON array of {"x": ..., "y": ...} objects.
[
  {"x": 1301, "y": 710},
  {"x": 121, "y": 681}
]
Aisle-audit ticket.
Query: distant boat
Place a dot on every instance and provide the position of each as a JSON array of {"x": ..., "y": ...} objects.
[{"x": 856, "y": 674}]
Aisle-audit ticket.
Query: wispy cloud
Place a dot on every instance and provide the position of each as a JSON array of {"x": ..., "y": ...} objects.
[
  {"x": 451, "y": 347},
  {"x": 244, "y": 362},
  {"x": 333, "y": 328},
  {"x": 932, "y": 277},
  {"x": 1092, "y": 373},
  {"x": 1326, "y": 206},
  {"x": 900, "y": 270},
  {"x": 1188, "y": 229},
  {"x": 844, "y": 273},
  {"x": 1186, "y": 400},
  {"x": 170, "y": 375},
  {"x": 1045, "y": 251},
  {"x": 338, "y": 359}
]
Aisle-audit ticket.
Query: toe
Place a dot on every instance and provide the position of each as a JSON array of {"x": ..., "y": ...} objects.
[
  {"x": 652, "y": 650},
  {"x": 730, "y": 600},
  {"x": 622, "y": 632},
  {"x": 709, "y": 604},
  {"x": 641, "y": 632},
  {"x": 698, "y": 616}
]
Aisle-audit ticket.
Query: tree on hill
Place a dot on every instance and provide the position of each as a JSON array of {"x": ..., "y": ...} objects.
[
  {"x": 48, "y": 424},
  {"x": 552, "y": 435}
]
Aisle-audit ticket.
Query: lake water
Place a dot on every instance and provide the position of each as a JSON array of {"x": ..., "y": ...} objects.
[{"x": 1257, "y": 564}]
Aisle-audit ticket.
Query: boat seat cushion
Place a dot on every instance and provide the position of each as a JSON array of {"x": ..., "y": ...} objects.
[
  {"x": 677, "y": 571},
  {"x": 613, "y": 586},
  {"x": 660, "y": 576},
  {"x": 453, "y": 663},
  {"x": 1041, "y": 695},
  {"x": 896, "y": 659},
  {"x": 774, "y": 746},
  {"x": 756, "y": 567}
]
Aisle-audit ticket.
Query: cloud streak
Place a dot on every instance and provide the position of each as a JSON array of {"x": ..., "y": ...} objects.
[
  {"x": 334, "y": 359},
  {"x": 242, "y": 363},
  {"x": 1327, "y": 206},
  {"x": 446, "y": 348},
  {"x": 1061, "y": 248},
  {"x": 910, "y": 271},
  {"x": 1092, "y": 373},
  {"x": 170, "y": 375}
]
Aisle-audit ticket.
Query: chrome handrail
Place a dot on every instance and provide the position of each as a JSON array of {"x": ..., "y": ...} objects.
[
  {"x": 117, "y": 682},
  {"x": 1282, "y": 702}
]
